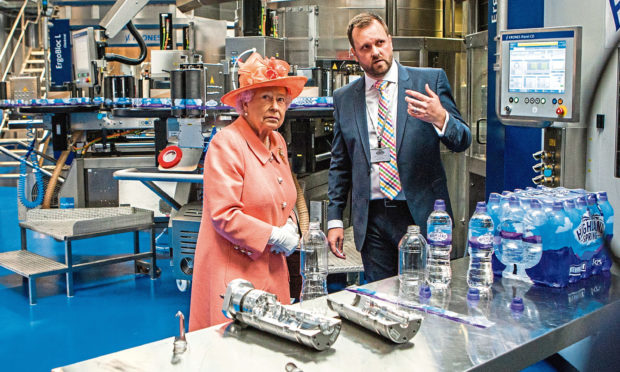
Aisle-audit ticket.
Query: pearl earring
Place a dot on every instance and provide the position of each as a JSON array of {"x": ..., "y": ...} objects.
[{"x": 245, "y": 113}]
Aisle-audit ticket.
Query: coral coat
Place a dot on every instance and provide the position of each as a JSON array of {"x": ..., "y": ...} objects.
[{"x": 247, "y": 190}]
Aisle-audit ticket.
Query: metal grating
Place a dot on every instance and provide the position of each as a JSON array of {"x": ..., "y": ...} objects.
[
  {"x": 63, "y": 223},
  {"x": 27, "y": 264},
  {"x": 353, "y": 263}
]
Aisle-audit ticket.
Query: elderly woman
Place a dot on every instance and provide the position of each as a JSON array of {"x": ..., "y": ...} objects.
[{"x": 249, "y": 194}]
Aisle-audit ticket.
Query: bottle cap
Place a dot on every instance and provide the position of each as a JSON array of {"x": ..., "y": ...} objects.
[
  {"x": 535, "y": 204},
  {"x": 315, "y": 225},
  {"x": 517, "y": 304},
  {"x": 494, "y": 197},
  {"x": 570, "y": 204},
  {"x": 413, "y": 229},
  {"x": 581, "y": 202},
  {"x": 506, "y": 193},
  {"x": 557, "y": 206},
  {"x": 513, "y": 201},
  {"x": 481, "y": 207},
  {"x": 473, "y": 294},
  {"x": 602, "y": 196},
  {"x": 440, "y": 205},
  {"x": 425, "y": 291},
  {"x": 591, "y": 198}
]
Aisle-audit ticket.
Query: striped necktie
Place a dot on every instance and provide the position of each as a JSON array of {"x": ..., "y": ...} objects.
[{"x": 389, "y": 180}]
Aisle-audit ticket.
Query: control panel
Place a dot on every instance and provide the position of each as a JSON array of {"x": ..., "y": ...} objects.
[
  {"x": 84, "y": 57},
  {"x": 540, "y": 75}
]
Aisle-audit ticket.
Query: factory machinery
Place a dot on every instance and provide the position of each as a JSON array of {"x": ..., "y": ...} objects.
[{"x": 158, "y": 116}]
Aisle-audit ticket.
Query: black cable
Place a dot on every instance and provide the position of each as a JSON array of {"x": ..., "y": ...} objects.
[{"x": 126, "y": 60}]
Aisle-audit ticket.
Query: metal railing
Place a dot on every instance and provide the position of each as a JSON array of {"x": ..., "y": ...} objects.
[{"x": 20, "y": 44}]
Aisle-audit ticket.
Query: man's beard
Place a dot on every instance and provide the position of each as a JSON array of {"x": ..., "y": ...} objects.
[{"x": 377, "y": 70}]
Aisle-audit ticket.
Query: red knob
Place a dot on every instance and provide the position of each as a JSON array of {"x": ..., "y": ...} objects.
[{"x": 560, "y": 111}]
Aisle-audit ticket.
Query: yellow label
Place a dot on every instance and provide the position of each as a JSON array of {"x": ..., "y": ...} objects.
[
  {"x": 334, "y": 67},
  {"x": 552, "y": 142},
  {"x": 211, "y": 81}
]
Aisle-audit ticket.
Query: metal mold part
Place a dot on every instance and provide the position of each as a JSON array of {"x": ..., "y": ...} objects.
[
  {"x": 390, "y": 322},
  {"x": 261, "y": 310}
]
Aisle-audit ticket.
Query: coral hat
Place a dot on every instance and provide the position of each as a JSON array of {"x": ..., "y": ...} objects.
[{"x": 259, "y": 72}]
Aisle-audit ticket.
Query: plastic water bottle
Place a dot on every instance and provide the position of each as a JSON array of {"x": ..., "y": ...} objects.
[
  {"x": 504, "y": 203},
  {"x": 480, "y": 246},
  {"x": 595, "y": 233},
  {"x": 313, "y": 268},
  {"x": 608, "y": 214},
  {"x": 580, "y": 205},
  {"x": 576, "y": 247},
  {"x": 534, "y": 223},
  {"x": 494, "y": 209},
  {"x": 439, "y": 235},
  {"x": 559, "y": 229},
  {"x": 412, "y": 256},
  {"x": 511, "y": 233}
]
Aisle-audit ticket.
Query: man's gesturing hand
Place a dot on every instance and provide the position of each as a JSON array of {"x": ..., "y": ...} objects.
[{"x": 426, "y": 108}]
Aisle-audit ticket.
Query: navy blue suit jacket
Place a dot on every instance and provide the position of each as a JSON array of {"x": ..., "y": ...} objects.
[{"x": 422, "y": 175}]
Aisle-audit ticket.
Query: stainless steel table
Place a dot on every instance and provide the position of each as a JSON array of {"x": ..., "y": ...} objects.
[{"x": 552, "y": 319}]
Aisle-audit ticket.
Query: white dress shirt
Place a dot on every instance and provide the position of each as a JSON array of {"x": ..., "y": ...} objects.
[{"x": 372, "y": 114}]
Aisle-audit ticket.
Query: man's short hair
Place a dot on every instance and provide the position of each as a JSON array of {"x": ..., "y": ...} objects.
[{"x": 364, "y": 20}]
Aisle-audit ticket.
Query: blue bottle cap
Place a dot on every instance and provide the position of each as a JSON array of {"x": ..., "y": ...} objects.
[
  {"x": 591, "y": 199},
  {"x": 580, "y": 202},
  {"x": 557, "y": 206},
  {"x": 535, "y": 204},
  {"x": 481, "y": 207},
  {"x": 513, "y": 201},
  {"x": 517, "y": 305},
  {"x": 473, "y": 295},
  {"x": 494, "y": 197},
  {"x": 602, "y": 196},
  {"x": 425, "y": 291},
  {"x": 440, "y": 205}
]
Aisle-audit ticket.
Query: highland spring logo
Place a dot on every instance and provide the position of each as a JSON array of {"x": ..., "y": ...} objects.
[{"x": 590, "y": 229}]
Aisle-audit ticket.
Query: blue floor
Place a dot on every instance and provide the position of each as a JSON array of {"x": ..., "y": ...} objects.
[{"x": 112, "y": 309}]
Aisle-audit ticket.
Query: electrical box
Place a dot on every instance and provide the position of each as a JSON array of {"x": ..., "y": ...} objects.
[
  {"x": 84, "y": 57},
  {"x": 540, "y": 76}
]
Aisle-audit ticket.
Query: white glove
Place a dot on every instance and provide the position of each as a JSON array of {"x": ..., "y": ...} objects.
[{"x": 284, "y": 239}]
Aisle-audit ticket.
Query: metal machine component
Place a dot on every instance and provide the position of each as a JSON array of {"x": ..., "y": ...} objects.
[
  {"x": 180, "y": 343},
  {"x": 261, "y": 310},
  {"x": 164, "y": 61},
  {"x": 183, "y": 236},
  {"x": 540, "y": 76},
  {"x": 121, "y": 13},
  {"x": 266, "y": 46},
  {"x": 396, "y": 325},
  {"x": 84, "y": 57},
  {"x": 25, "y": 87},
  {"x": 561, "y": 162}
]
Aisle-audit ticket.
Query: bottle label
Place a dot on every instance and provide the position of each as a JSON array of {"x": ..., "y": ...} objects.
[
  {"x": 590, "y": 229},
  {"x": 439, "y": 237},
  {"x": 533, "y": 239},
  {"x": 482, "y": 242},
  {"x": 510, "y": 235}
]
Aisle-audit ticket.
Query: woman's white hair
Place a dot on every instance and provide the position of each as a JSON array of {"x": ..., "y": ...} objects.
[{"x": 247, "y": 95}]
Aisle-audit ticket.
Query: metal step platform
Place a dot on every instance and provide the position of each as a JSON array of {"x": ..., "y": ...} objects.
[{"x": 75, "y": 224}]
